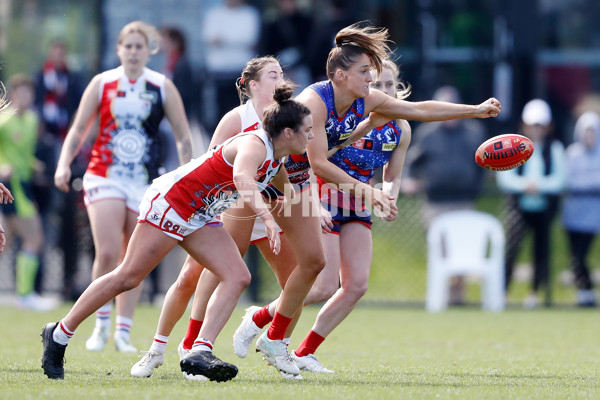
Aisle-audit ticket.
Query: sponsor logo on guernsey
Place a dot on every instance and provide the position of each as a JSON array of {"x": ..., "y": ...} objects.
[
  {"x": 365, "y": 144},
  {"x": 121, "y": 93},
  {"x": 388, "y": 146},
  {"x": 149, "y": 96},
  {"x": 345, "y": 135}
]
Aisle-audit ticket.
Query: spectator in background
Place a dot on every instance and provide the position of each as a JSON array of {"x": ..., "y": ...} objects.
[
  {"x": 177, "y": 66},
  {"x": 178, "y": 69},
  {"x": 58, "y": 91},
  {"x": 440, "y": 163},
  {"x": 581, "y": 207},
  {"x": 231, "y": 33},
  {"x": 533, "y": 193},
  {"x": 18, "y": 138},
  {"x": 284, "y": 36}
]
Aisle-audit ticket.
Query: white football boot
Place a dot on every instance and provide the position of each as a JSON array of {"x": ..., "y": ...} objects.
[
  {"x": 181, "y": 351},
  {"x": 275, "y": 353},
  {"x": 309, "y": 363},
  {"x": 245, "y": 333},
  {"x": 145, "y": 367},
  {"x": 98, "y": 340},
  {"x": 123, "y": 344}
]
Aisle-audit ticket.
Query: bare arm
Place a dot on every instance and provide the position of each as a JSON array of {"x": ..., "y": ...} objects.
[
  {"x": 175, "y": 113},
  {"x": 84, "y": 118},
  {"x": 428, "y": 111},
  {"x": 392, "y": 171},
  {"x": 229, "y": 126},
  {"x": 250, "y": 154},
  {"x": 317, "y": 151},
  {"x": 374, "y": 120}
]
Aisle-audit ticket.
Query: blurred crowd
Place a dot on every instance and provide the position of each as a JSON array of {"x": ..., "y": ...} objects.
[{"x": 562, "y": 179}]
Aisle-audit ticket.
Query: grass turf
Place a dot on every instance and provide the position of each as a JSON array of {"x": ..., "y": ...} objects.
[{"x": 377, "y": 353}]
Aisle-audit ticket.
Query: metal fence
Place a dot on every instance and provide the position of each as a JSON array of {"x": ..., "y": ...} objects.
[{"x": 398, "y": 272}]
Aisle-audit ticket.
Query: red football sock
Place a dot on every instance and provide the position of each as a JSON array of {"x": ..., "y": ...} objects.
[
  {"x": 192, "y": 333},
  {"x": 278, "y": 327},
  {"x": 262, "y": 317},
  {"x": 309, "y": 344}
]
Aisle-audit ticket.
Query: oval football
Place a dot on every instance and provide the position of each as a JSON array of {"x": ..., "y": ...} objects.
[{"x": 504, "y": 152}]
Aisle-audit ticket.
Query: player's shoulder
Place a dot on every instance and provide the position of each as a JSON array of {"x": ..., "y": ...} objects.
[
  {"x": 311, "y": 98},
  {"x": 154, "y": 77}
]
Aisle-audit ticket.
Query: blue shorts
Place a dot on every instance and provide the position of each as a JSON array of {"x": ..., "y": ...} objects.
[{"x": 341, "y": 216}]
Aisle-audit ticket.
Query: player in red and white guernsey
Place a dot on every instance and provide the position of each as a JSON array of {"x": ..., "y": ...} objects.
[
  {"x": 256, "y": 85},
  {"x": 181, "y": 208},
  {"x": 129, "y": 102}
]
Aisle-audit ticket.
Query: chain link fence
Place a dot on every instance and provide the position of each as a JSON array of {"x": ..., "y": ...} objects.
[{"x": 398, "y": 272}]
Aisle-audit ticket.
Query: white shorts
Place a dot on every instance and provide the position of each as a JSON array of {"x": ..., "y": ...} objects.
[
  {"x": 156, "y": 211},
  {"x": 259, "y": 231},
  {"x": 97, "y": 188}
]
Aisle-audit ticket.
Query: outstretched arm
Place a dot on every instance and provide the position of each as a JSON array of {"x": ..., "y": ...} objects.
[{"x": 428, "y": 111}]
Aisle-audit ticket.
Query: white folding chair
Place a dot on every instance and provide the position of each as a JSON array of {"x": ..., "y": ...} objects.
[{"x": 465, "y": 243}]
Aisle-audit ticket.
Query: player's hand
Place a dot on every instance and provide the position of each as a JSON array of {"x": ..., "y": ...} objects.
[
  {"x": 489, "y": 108},
  {"x": 272, "y": 234},
  {"x": 62, "y": 177},
  {"x": 393, "y": 212},
  {"x": 383, "y": 205},
  {"x": 326, "y": 220},
  {"x": 5, "y": 196}
]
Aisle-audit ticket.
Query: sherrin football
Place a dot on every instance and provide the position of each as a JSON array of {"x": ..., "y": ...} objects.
[{"x": 504, "y": 152}]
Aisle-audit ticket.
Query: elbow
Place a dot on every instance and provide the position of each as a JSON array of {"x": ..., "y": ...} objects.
[{"x": 320, "y": 169}]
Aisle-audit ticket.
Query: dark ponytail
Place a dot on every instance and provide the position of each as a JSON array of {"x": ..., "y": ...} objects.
[{"x": 285, "y": 113}]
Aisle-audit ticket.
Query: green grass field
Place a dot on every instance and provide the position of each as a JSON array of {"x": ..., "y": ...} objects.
[{"x": 377, "y": 353}]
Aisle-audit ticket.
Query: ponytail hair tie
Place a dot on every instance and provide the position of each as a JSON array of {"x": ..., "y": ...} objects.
[{"x": 239, "y": 83}]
